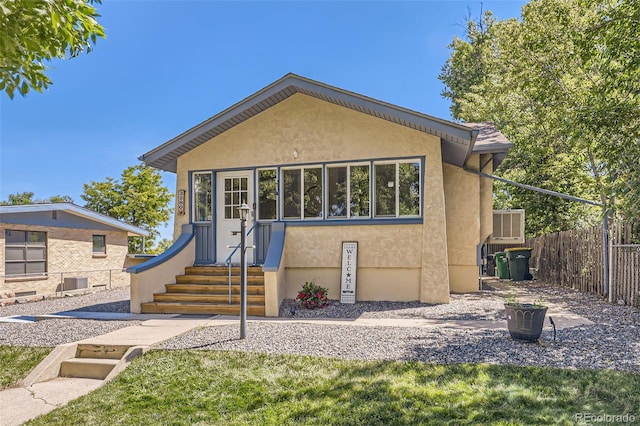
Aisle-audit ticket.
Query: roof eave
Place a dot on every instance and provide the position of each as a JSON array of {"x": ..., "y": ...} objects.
[{"x": 165, "y": 156}]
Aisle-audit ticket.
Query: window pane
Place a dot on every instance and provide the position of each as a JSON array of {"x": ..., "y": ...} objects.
[
  {"x": 291, "y": 194},
  {"x": 267, "y": 194},
  {"x": 36, "y": 238},
  {"x": 99, "y": 244},
  {"x": 13, "y": 237},
  {"x": 313, "y": 193},
  {"x": 409, "y": 186},
  {"x": 202, "y": 196},
  {"x": 35, "y": 267},
  {"x": 385, "y": 190},
  {"x": 337, "y": 192},
  {"x": 14, "y": 268},
  {"x": 15, "y": 253},
  {"x": 359, "y": 187},
  {"x": 36, "y": 253}
]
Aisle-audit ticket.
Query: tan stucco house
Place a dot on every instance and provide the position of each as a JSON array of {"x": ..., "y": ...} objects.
[
  {"x": 319, "y": 166},
  {"x": 50, "y": 248}
]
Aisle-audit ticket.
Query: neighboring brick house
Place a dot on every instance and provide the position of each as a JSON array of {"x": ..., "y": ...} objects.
[{"x": 48, "y": 248}]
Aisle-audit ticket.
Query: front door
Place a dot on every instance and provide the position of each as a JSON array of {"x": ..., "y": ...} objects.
[{"x": 233, "y": 189}]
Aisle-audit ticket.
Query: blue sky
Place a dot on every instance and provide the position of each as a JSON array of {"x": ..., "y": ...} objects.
[{"x": 165, "y": 66}]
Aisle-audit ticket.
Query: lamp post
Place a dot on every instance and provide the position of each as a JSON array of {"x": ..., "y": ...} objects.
[{"x": 243, "y": 212}]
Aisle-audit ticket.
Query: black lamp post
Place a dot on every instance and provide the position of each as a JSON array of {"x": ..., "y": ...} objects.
[{"x": 243, "y": 212}]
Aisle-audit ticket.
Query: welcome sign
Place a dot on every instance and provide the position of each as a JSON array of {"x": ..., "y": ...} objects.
[{"x": 349, "y": 268}]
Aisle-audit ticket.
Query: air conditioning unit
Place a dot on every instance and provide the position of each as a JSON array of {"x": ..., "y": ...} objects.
[
  {"x": 74, "y": 283},
  {"x": 508, "y": 227}
]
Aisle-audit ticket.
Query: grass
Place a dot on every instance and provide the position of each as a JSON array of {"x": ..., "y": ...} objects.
[
  {"x": 17, "y": 361},
  {"x": 192, "y": 387}
]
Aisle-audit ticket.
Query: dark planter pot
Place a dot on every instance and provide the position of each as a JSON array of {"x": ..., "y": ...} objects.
[{"x": 525, "y": 321}]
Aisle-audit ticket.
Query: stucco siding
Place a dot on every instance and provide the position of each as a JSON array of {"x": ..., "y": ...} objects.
[
  {"x": 462, "y": 194},
  {"x": 486, "y": 199},
  {"x": 70, "y": 254},
  {"x": 423, "y": 261},
  {"x": 316, "y": 130},
  {"x": 394, "y": 284}
]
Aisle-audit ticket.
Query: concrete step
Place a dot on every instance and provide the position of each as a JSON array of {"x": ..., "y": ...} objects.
[
  {"x": 222, "y": 270},
  {"x": 200, "y": 308},
  {"x": 88, "y": 368},
  {"x": 212, "y": 288},
  {"x": 86, "y": 350},
  {"x": 206, "y": 298},
  {"x": 218, "y": 279}
]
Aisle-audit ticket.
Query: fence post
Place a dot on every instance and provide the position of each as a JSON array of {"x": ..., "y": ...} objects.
[
  {"x": 605, "y": 251},
  {"x": 610, "y": 272}
]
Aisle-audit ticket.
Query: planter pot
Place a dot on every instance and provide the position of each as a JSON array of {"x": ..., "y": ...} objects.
[{"x": 525, "y": 321}]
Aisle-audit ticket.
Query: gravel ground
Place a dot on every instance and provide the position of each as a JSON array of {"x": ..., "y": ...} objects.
[
  {"x": 53, "y": 332},
  {"x": 612, "y": 342}
]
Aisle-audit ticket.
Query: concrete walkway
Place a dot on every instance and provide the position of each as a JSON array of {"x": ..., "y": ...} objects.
[{"x": 17, "y": 405}]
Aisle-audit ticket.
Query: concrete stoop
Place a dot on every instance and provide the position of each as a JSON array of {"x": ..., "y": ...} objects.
[{"x": 84, "y": 360}]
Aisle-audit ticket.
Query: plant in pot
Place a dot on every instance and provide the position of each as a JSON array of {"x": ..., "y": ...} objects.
[{"x": 524, "y": 320}]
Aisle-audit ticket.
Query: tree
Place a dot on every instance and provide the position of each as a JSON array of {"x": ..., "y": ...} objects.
[
  {"x": 162, "y": 246},
  {"x": 564, "y": 86},
  {"x": 138, "y": 198},
  {"x": 33, "y": 32},
  {"x": 27, "y": 198}
]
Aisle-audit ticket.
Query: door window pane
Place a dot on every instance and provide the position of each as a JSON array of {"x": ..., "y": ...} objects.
[
  {"x": 202, "y": 197},
  {"x": 291, "y": 194},
  {"x": 409, "y": 187},
  {"x": 267, "y": 194},
  {"x": 336, "y": 192},
  {"x": 235, "y": 196},
  {"x": 313, "y": 193},
  {"x": 359, "y": 191},
  {"x": 385, "y": 175}
]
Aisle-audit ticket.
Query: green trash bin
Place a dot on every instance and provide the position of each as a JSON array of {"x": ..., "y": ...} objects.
[
  {"x": 503, "y": 266},
  {"x": 518, "y": 263}
]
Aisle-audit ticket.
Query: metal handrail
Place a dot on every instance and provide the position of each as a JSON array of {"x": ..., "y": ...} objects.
[{"x": 228, "y": 260}]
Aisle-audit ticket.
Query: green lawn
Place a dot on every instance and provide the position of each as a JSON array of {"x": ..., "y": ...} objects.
[
  {"x": 16, "y": 362},
  {"x": 230, "y": 388}
]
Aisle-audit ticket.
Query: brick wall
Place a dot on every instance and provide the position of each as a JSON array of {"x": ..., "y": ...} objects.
[{"x": 70, "y": 254}]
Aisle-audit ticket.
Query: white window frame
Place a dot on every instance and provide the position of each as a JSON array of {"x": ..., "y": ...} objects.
[
  {"x": 348, "y": 184},
  {"x": 194, "y": 198},
  {"x": 258, "y": 193},
  {"x": 302, "y": 169},
  {"x": 373, "y": 196}
]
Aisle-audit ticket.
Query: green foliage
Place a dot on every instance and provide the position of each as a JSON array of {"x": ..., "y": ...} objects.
[
  {"x": 201, "y": 387},
  {"x": 313, "y": 296},
  {"x": 17, "y": 362},
  {"x": 563, "y": 84},
  {"x": 138, "y": 198},
  {"x": 33, "y": 32},
  {"x": 162, "y": 246},
  {"x": 22, "y": 198}
]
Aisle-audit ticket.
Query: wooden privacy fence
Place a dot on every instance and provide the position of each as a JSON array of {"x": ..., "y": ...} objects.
[
  {"x": 575, "y": 259},
  {"x": 624, "y": 255}
]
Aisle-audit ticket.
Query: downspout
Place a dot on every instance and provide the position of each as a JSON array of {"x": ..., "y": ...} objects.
[{"x": 605, "y": 224}]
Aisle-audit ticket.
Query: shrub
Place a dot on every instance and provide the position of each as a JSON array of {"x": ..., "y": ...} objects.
[{"x": 313, "y": 296}]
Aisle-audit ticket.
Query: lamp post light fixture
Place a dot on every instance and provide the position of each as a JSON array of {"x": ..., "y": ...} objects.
[{"x": 243, "y": 212}]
